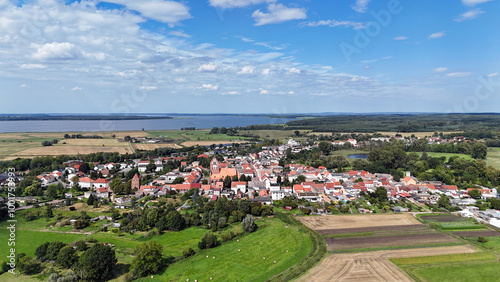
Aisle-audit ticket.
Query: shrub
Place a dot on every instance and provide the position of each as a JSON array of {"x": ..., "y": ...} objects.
[
  {"x": 72, "y": 208},
  {"x": 248, "y": 224},
  {"x": 81, "y": 246},
  {"x": 482, "y": 240},
  {"x": 227, "y": 236},
  {"x": 189, "y": 252},
  {"x": 208, "y": 241}
]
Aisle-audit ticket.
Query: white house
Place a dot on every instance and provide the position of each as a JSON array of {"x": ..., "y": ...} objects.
[{"x": 141, "y": 165}]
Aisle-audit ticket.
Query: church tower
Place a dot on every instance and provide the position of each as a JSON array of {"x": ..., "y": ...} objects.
[
  {"x": 214, "y": 166},
  {"x": 136, "y": 182}
]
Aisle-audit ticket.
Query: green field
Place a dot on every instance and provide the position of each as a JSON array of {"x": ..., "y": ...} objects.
[
  {"x": 493, "y": 157},
  {"x": 447, "y": 155},
  {"x": 271, "y": 241},
  {"x": 430, "y": 260},
  {"x": 193, "y": 135},
  {"x": 480, "y": 271}
]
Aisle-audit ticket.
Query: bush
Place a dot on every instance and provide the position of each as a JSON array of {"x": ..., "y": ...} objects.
[
  {"x": 208, "y": 241},
  {"x": 248, "y": 224},
  {"x": 189, "y": 252},
  {"x": 72, "y": 208},
  {"x": 81, "y": 246},
  {"x": 81, "y": 223},
  {"x": 228, "y": 236},
  {"x": 482, "y": 240}
]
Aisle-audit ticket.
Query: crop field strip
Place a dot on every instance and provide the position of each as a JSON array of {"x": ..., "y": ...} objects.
[{"x": 373, "y": 266}]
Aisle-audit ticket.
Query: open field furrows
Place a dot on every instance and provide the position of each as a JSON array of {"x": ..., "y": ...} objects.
[
  {"x": 477, "y": 233},
  {"x": 377, "y": 229},
  {"x": 372, "y": 266},
  {"x": 443, "y": 218},
  {"x": 357, "y": 221},
  {"x": 392, "y": 240}
]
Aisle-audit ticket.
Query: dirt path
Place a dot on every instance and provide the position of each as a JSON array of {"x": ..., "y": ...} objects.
[{"x": 372, "y": 266}]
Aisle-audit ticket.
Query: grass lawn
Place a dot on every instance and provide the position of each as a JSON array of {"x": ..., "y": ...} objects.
[
  {"x": 271, "y": 241},
  {"x": 493, "y": 157},
  {"x": 480, "y": 271}
]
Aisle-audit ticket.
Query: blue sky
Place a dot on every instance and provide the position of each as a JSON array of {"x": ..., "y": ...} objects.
[{"x": 249, "y": 56}]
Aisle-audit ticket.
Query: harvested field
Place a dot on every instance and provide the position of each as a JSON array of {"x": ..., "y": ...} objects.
[
  {"x": 377, "y": 229},
  {"x": 357, "y": 221},
  {"x": 442, "y": 218},
  {"x": 70, "y": 150},
  {"x": 150, "y": 147},
  {"x": 372, "y": 266},
  {"x": 477, "y": 233},
  {"x": 387, "y": 241}
]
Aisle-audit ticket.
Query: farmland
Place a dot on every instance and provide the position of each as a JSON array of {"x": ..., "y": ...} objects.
[
  {"x": 493, "y": 157},
  {"x": 360, "y": 246},
  {"x": 28, "y": 145}
]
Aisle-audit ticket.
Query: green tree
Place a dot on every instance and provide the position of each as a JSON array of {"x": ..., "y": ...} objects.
[
  {"x": 148, "y": 259},
  {"x": 479, "y": 151},
  {"x": 209, "y": 240},
  {"x": 35, "y": 189},
  {"x": 381, "y": 194},
  {"x": 325, "y": 147},
  {"x": 91, "y": 199},
  {"x": 248, "y": 224},
  {"x": 475, "y": 194},
  {"x": 53, "y": 250},
  {"x": 444, "y": 202},
  {"x": 41, "y": 251},
  {"x": 175, "y": 221},
  {"x": 66, "y": 257},
  {"x": 29, "y": 265},
  {"x": 97, "y": 263}
]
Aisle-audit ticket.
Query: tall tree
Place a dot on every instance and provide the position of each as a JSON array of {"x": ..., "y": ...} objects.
[{"x": 148, "y": 259}]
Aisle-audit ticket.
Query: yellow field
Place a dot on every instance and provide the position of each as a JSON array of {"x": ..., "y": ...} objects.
[
  {"x": 69, "y": 150},
  {"x": 150, "y": 147}
]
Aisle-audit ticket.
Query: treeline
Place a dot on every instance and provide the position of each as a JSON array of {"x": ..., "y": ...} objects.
[
  {"x": 399, "y": 123},
  {"x": 393, "y": 158},
  {"x": 79, "y": 136}
]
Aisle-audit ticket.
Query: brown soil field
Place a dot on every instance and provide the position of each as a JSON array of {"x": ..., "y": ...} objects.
[
  {"x": 477, "y": 233},
  {"x": 357, "y": 221},
  {"x": 393, "y": 240},
  {"x": 69, "y": 150},
  {"x": 377, "y": 229},
  {"x": 372, "y": 266},
  {"x": 442, "y": 218},
  {"x": 150, "y": 147}
]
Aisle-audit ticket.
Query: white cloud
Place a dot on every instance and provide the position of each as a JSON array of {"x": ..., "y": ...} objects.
[
  {"x": 469, "y": 15},
  {"x": 179, "y": 34},
  {"x": 209, "y": 87},
  {"x": 32, "y": 66},
  {"x": 400, "y": 38},
  {"x": 247, "y": 70},
  {"x": 291, "y": 93},
  {"x": 55, "y": 50},
  {"x": 148, "y": 88},
  {"x": 361, "y": 6},
  {"x": 24, "y": 86},
  {"x": 437, "y": 35},
  {"x": 169, "y": 12},
  {"x": 441, "y": 69},
  {"x": 233, "y": 93},
  {"x": 294, "y": 71},
  {"x": 278, "y": 13},
  {"x": 458, "y": 74},
  {"x": 335, "y": 23},
  {"x": 224, "y": 4},
  {"x": 473, "y": 2},
  {"x": 493, "y": 74},
  {"x": 208, "y": 67},
  {"x": 266, "y": 71},
  {"x": 264, "y": 91},
  {"x": 76, "y": 88}
]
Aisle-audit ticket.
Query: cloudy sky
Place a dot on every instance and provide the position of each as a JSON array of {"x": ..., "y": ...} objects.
[{"x": 249, "y": 56}]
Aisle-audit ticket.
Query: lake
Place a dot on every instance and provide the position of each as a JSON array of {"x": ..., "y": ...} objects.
[
  {"x": 358, "y": 156},
  {"x": 199, "y": 122}
]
